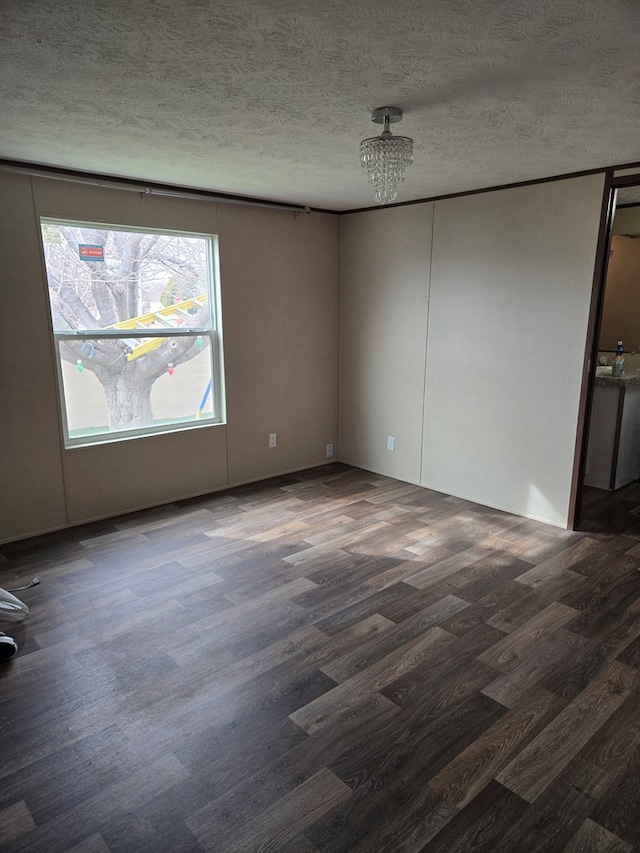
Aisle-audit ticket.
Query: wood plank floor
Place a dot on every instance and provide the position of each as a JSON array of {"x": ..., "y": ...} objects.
[{"x": 327, "y": 662}]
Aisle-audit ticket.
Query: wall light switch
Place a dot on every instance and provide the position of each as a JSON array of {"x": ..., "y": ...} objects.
[
  {"x": 391, "y": 442},
  {"x": 272, "y": 439}
]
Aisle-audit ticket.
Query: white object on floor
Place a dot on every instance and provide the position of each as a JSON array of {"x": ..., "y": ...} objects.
[{"x": 11, "y": 608}]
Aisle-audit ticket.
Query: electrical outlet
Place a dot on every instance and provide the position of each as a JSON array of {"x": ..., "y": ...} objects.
[
  {"x": 272, "y": 439},
  {"x": 329, "y": 451},
  {"x": 391, "y": 442}
]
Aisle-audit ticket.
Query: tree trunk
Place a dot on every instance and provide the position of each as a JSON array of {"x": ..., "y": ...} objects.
[{"x": 128, "y": 401}]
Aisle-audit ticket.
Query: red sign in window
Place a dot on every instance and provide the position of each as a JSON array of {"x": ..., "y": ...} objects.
[{"x": 90, "y": 252}]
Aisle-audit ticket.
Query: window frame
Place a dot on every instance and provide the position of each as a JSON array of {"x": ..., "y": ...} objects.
[{"x": 212, "y": 331}]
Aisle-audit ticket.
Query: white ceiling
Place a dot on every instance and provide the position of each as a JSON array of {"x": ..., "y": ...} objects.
[
  {"x": 270, "y": 99},
  {"x": 628, "y": 195}
]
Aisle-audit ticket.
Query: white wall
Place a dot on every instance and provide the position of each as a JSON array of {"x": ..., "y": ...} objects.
[
  {"x": 279, "y": 283},
  {"x": 31, "y": 487},
  {"x": 385, "y": 258},
  {"x": 280, "y": 278},
  {"x": 511, "y": 283},
  {"x": 492, "y": 289},
  {"x": 510, "y": 277}
]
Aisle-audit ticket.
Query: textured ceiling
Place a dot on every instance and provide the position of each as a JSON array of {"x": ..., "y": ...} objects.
[
  {"x": 628, "y": 195},
  {"x": 270, "y": 99}
]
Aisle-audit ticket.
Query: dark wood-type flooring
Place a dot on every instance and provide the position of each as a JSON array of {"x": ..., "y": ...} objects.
[{"x": 326, "y": 662}]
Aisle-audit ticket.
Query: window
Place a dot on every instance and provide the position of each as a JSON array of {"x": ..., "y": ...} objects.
[{"x": 136, "y": 328}]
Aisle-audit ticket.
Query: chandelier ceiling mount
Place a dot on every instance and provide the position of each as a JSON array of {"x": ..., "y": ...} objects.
[{"x": 386, "y": 157}]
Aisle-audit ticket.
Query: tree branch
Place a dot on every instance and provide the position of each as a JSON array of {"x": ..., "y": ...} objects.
[
  {"x": 95, "y": 354},
  {"x": 74, "y": 310}
]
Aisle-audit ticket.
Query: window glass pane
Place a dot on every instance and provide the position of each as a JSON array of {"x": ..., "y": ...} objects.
[
  {"x": 133, "y": 319},
  {"x": 109, "y": 389},
  {"x": 103, "y": 278}
]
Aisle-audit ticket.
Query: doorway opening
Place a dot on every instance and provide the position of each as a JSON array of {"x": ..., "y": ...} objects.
[{"x": 608, "y": 497}]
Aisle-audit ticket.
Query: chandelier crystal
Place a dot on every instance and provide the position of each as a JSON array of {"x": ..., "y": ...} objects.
[{"x": 386, "y": 157}]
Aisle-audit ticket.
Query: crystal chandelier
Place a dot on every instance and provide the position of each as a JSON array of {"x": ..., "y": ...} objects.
[{"x": 386, "y": 156}]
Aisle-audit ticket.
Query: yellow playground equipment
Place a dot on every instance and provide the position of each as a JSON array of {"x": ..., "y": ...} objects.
[{"x": 173, "y": 316}]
